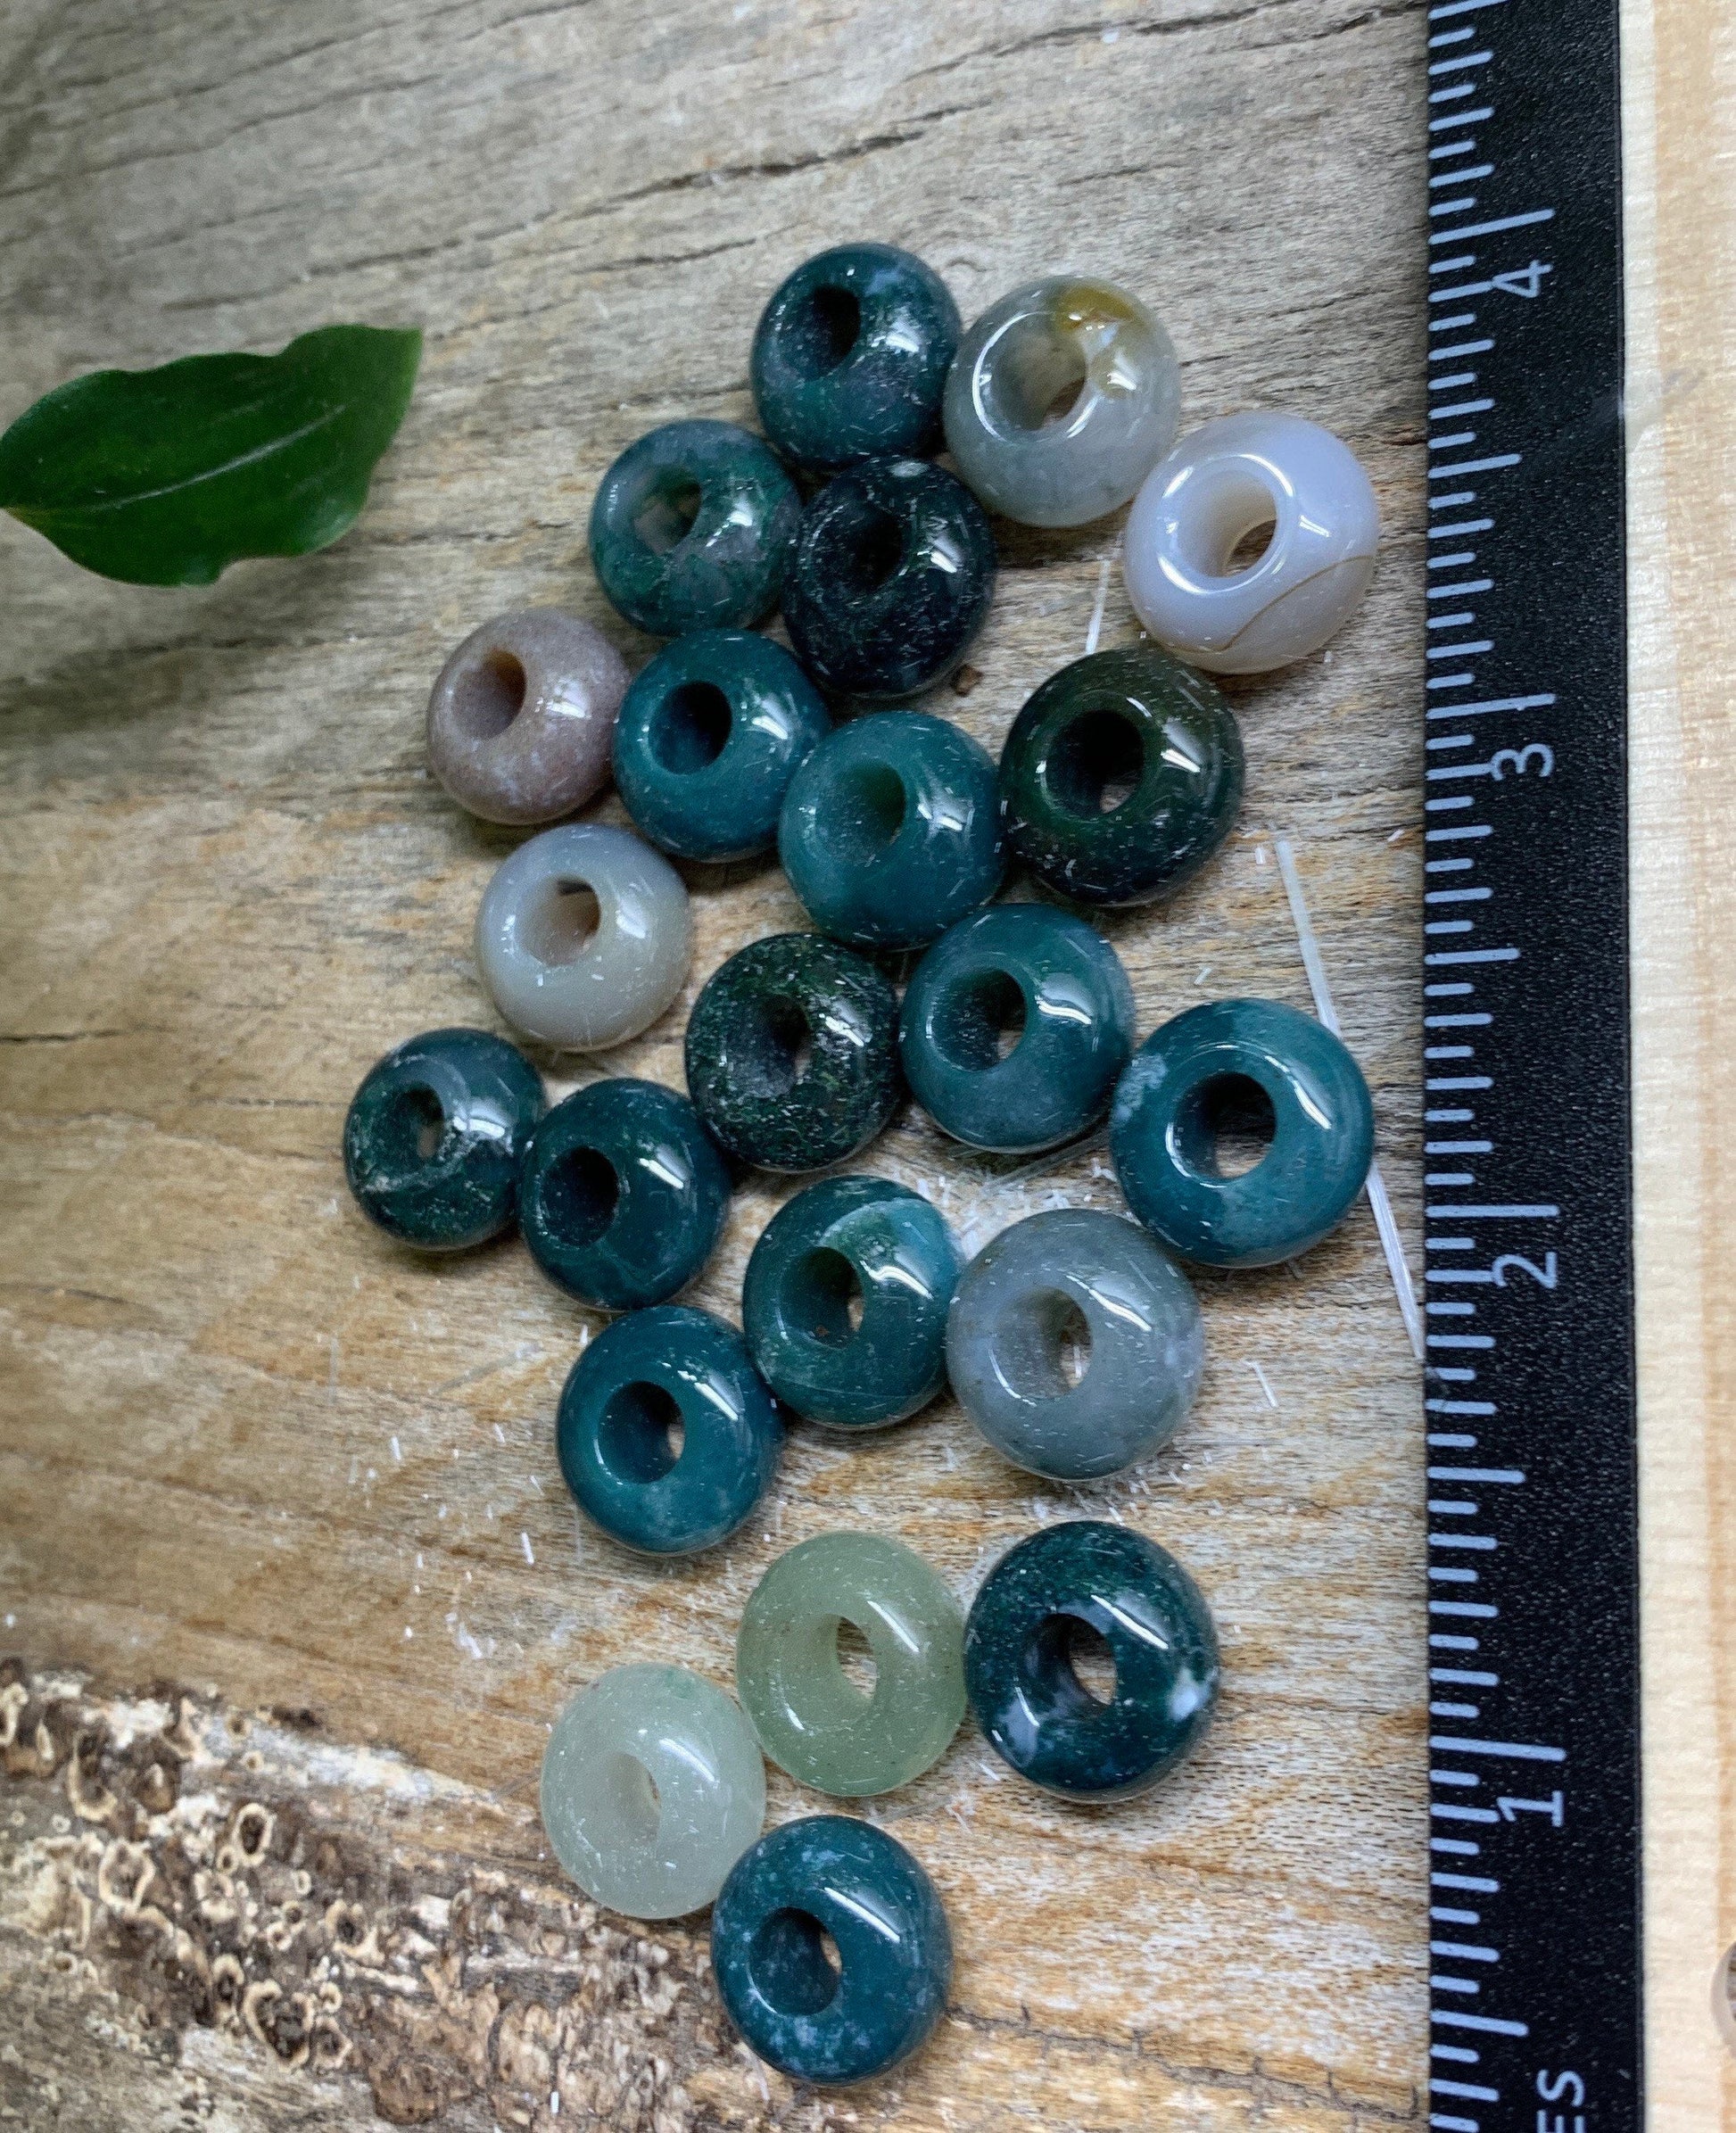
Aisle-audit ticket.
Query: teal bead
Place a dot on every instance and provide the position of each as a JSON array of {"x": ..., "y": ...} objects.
[
  {"x": 1241, "y": 1065},
  {"x": 891, "y": 829},
  {"x": 614, "y": 1434},
  {"x": 1027, "y": 1623},
  {"x": 622, "y": 1197},
  {"x": 851, "y": 1242},
  {"x": 693, "y": 528},
  {"x": 1122, "y": 776},
  {"x": 433, "y": 1137},
  {"x": 830, "y": 1874},
  {"x": 850, "y": 357},
  {"x": 811, "y": 1718},
  {"x": 1015, "y": 1027},
  {"x": 707, "y": 740}
]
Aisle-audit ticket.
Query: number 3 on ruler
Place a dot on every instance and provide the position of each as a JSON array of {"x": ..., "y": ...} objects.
[
  {"x": 1544, "y": 1276},
  {"x": 1518, "y": 759}
]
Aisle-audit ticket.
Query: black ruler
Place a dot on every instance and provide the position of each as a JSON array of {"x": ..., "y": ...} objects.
[{"x": 1533, "y": 1592}]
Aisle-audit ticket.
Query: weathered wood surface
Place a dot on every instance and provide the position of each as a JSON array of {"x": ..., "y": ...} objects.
[{"x": 255, "y": 1461}]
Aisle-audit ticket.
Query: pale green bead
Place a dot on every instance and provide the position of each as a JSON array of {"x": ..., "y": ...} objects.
[{"x": 811, "y": 1718}]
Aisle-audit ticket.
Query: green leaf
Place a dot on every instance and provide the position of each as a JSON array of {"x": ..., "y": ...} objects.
[{"x": 162, "y": 477}]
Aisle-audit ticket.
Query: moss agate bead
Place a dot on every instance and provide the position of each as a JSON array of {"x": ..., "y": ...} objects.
[
  {"x": 653, "y": 1786},
  {"x": 1063, "y": 396},
  {"x": 433, "y": 1137},
  {"x": 892, "y": 578},
  {"x": 891, "y": 829},
  {"x": 830, "y": 1874},
  {"x": 1240, "y": 1066},
  {"x": 1015, "y": 1027},
  {"x": 845, "y": 1246},
  {"x": 1067, "y": 1288},
  {"x": 791, "y": 1053},
  {"x": 1037, "y": 1605},
  {"x": 709, "y": 738},
  {"x": 622, "y": 1197},
  {"x": 636, "y": 1381},
  {"x": 811, "y": 1718},
  {"x": 1120, "y": 777},
  {"x": 850, "y": 357},
  {"x": 693, "y": 527}
]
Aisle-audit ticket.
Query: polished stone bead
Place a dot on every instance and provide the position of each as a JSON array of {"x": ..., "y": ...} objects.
[
  {"x": 815, "y": 2021},
  {"x": 434, "y": 1134},
  {"x": 891, "y": 829},
  {"x": 709, "y": 738},
  {"x": 1074, "y": 1344},
  {"x": 843, "y": 1304},
  {"x": 1063, "y": 398},
  {"x": 791, "y": 1053},
  {"x": 892, "y": 578},
  {"x": 639, "y": 1379},
  {"x": 1015, "y": 1027},
  {"x": 850, "y": 355},
  {"x": 693, "y": 528},
  {"x": 1032, "y": 1617},
  {"x": 1120, "y": 777},
  {"x": 621, "y": 1196},
  {"x": 584, "y": 937},
  {"x": 523, "y": 715},
  {"x": 1221, "y": 486},
  {"x": 653, "y": 1786},
  {"x": 1249, "y": 1070},
  {"x": 811, "y": 1718}
]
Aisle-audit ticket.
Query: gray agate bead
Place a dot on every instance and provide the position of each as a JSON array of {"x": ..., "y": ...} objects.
[{"x": 1062, "y": 397}]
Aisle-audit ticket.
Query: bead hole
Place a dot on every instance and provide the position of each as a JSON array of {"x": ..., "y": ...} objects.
[
  {"x": 692, "y": 727},
  {"x": 1036, "y": 378},
  {"x": 580, "y": 1194},
  {"x": 867, "y": 812},
  {"x": 1073, "y": 1659},
  {"x": 1044, "y": 1351},
  {"x": 632, "y": 1809},
  {"x": 1224, "y": 1127},
  {"x": 641, "y": 1434},
  {"x": 489, "y": 695},
  {"x": 872, "y": 550},
  {"x": 1096, "y": 763},
  {"x": 981, "y": 1020},
  {"x": 414, "y": 1128},
  {"x": 825, "y": 331},
  {"x": 823, "y": 1296},
  {"x": 563, "y": 923},
  {"x": 793, "y": 1962},
  {"x": 666, "y": 518},
  {"x": 856, "y": 1662},
  {"x": 1250, "y": 548},
  {"x": 776, "y": 1049},
  {"x": 1230, "y": 524}
]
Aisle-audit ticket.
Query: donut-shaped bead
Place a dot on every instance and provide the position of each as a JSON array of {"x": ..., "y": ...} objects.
[
  {"x": 584, "y": 937},
  {"x": 1016, "y": 1027},
  {"x": 1221, "y": 484},
  {"x": 811, "y": 1718},
  {"x": 844, "y": 1302},
  {"x": 1024, "y": 1628},
  {"x": 791, "y": 1053},
  {"x": 1251, "y": 1066},
  {"x": 521, "y": 716},
  {"x": 434, "y": 1136},
  {"x": 639, "y": 1379},
  {"x": 693, "y": 529},
  {"x": 891, "y": 829},
  {"x": 709, "y": 738},
  {"x": 1061, "y": 398},
  {"x": 653, "y": 1786},
  {"x": 831, "y": 1873},
  {"x": 1120, "y": 777},
  {"x": 850, "y": 355},
  {"x": 621, "y": 1196},
  {"x": 892, "y": 578},
  {"x": 1074, "y": 1344}
]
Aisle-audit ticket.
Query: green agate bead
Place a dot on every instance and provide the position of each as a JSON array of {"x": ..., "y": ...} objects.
[{"x": 811, "y": 1718}]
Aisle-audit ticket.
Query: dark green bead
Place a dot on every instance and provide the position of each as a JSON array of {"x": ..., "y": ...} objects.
[
  {"x": 862, "y": 1240},
  {"x": 627, "y": 1391},
  {"x": 830, "y": 1873},
  {"x": 707, "y": 740},
  {"x": 622, "y": 1197},
  {"x": 434, "y": 1136},
  {"x": 1239, "y": 1067},
  {"x": 891, "y": 579},
  {"x": 891, "y": 829},
  {"x": 693, "y": 528},
  {"x": 1122, "y": 776},
  {"x": 850, "y": 357},
  {"x": 791, "y": 1053},
  {"x": 1019, "y": 1672},
  {"x": 1041, "y": 979}
]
